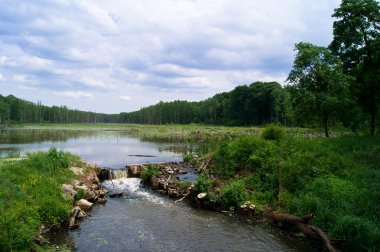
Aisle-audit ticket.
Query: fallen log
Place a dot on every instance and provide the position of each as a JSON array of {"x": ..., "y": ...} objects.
[{"x": 302, "y": 224}]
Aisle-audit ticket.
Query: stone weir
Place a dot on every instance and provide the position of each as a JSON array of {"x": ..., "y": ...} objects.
[{"x": 174, "y": 179}]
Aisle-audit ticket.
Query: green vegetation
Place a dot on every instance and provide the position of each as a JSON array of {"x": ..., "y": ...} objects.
[
  {"x": 273, "y": 132},
  {"x": 337, "y": 179},
  {"x": 151, "y": 170},
  {"x": 203, "y": 184},
  {"x": 187, "y": 158},
  {"x": 357, "y": 43},
  {"x": 319, "y": 84},
  {"x": 31, "y": 195}
]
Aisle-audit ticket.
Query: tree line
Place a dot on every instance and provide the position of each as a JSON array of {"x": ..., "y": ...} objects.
[
  {"x": 336, "y": 85},
  {"x": 17, "y": 111}
]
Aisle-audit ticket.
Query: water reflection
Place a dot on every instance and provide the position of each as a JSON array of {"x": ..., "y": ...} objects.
[{"x": 112, "y": 149}]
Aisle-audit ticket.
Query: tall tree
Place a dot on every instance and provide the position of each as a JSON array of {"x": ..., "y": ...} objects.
[
  {"x": 356, "y": 42},
  {"x": 318, "y": 79}
]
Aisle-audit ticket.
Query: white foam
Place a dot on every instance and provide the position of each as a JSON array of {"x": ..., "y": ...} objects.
[{"x": 122, "y": 184}]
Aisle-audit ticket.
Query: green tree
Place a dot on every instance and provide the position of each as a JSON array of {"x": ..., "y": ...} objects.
[
  {"x": 318, "y": 82},
  {"x": 356, "y": 42}
]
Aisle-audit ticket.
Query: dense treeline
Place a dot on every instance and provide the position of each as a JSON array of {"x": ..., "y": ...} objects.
[
  {"x": 256, "y": 104},
  {"x": 14, "y": 110}
]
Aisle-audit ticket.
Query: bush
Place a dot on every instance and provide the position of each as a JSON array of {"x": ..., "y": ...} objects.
[
  {"x": 273, "y": 132},
  {"x": 246, "y": 153},
  {"x": 187, "y": 158},
  {"x": 233, "y": 194},
  {"x": 81, "y": 194},
  {"x": 203, "y": 184},
  {"x": 151, "y": 170},
  {"x": 59, "y": 158}
]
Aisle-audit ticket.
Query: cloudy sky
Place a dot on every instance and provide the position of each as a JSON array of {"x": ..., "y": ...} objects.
[{"x": 120, "y": 55}]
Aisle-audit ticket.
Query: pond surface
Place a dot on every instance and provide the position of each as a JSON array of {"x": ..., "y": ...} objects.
[
  {"x": 143, "y": 220},
  {"x": 112, "y": 149}
]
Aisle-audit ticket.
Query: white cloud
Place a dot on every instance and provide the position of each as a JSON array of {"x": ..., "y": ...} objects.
[
  {"x": 1, "y": 77},
  {"x": 74, "y": 94},
  {"x": 185, "y": 49},
  {"x": 20, "y": 78},
  {"x": 125, "y": 98}
]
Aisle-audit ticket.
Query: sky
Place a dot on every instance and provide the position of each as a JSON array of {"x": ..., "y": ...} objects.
[{"x": 121, "y": 55}]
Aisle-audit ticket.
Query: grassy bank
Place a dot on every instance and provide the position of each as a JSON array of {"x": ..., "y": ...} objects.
[
  {"x": 338, "y": 179},
  {"x": 31, "y": 195}
]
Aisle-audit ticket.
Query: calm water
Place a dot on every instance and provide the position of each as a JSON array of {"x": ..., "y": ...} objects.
[
  {"x": 142, "y": 220},
  {"x": 113, "y": 149}
]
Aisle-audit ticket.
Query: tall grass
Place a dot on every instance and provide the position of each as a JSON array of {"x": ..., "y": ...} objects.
[
  {"x": 30, "y": 195},
  {"x": 338, "y": 179}
]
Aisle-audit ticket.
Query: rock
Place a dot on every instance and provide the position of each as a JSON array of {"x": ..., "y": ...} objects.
[
  {"x": 83, "y": 187},
  {"x": 154, "y": 182},
  {"x": 84, "y": 204},
  {"x": 69, "y": 189},
  {"x": 100, "y": 193},
  {"x": 134, "y": 170},
  {"x": 101, "y": 200},
  {"x": 76, "y": 170},
  {"x": 77, "y": 183},
  {"x": 115, "y": 194}
]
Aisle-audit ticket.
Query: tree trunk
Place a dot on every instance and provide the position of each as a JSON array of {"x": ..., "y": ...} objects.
[{"x": 325, "y": 123}]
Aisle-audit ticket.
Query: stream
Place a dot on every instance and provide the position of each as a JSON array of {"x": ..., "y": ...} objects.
[{"x": 143, "y": 220}]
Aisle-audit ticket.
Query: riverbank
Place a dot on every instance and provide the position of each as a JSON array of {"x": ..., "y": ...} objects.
[
  {"x": 335, "y": 179},
  {"x": 33, "y": 202}
]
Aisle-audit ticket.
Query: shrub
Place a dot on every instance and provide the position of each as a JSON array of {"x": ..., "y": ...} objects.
[
  {"x": 241, "y": 154},
  {"x": 203, "y": 184},
  {"x": 187, "y": 158},
  {"x": 81, "y": 194},
  {"x": 60, "y": 160},
  {"x": 233, "y": 194},
  {"x": 151, "y": 170},
  {"x": 273, "y": 132}
]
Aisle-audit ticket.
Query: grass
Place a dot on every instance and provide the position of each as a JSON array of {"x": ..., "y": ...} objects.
[
  {"x": 338, "y": 179},
  {"x": 31, "y": 195}
]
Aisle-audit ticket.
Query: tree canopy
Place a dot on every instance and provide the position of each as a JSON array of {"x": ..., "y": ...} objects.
[
  {"x": 356, "y": 42},
  {"x": 319, "y": 84}
]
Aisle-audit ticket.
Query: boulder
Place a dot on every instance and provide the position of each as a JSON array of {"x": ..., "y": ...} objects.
[
  {"x": 76, "y": 170},
  {"x": 154, "y": 182},
  {"x": 84, "y": 204},
  {"x": 69, "y": 189}
]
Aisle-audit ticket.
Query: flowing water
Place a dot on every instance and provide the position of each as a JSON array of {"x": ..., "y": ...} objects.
[{"x": 142, "y": 220}]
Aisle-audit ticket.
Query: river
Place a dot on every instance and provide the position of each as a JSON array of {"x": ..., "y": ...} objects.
[{"x": 143, "y": 220}]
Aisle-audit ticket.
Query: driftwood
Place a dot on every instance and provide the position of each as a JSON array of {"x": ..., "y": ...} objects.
[
  {"x": 204, "y": 165},
  {"x": 184, "y": 196},
  {"x": 74, "y": 215},
  {"x": 302, "y": 224}
]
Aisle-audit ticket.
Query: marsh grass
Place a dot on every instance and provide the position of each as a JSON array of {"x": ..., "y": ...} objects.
[
  {"x": 31, "y": 195},
  {"x": 338, "y": 179}
]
